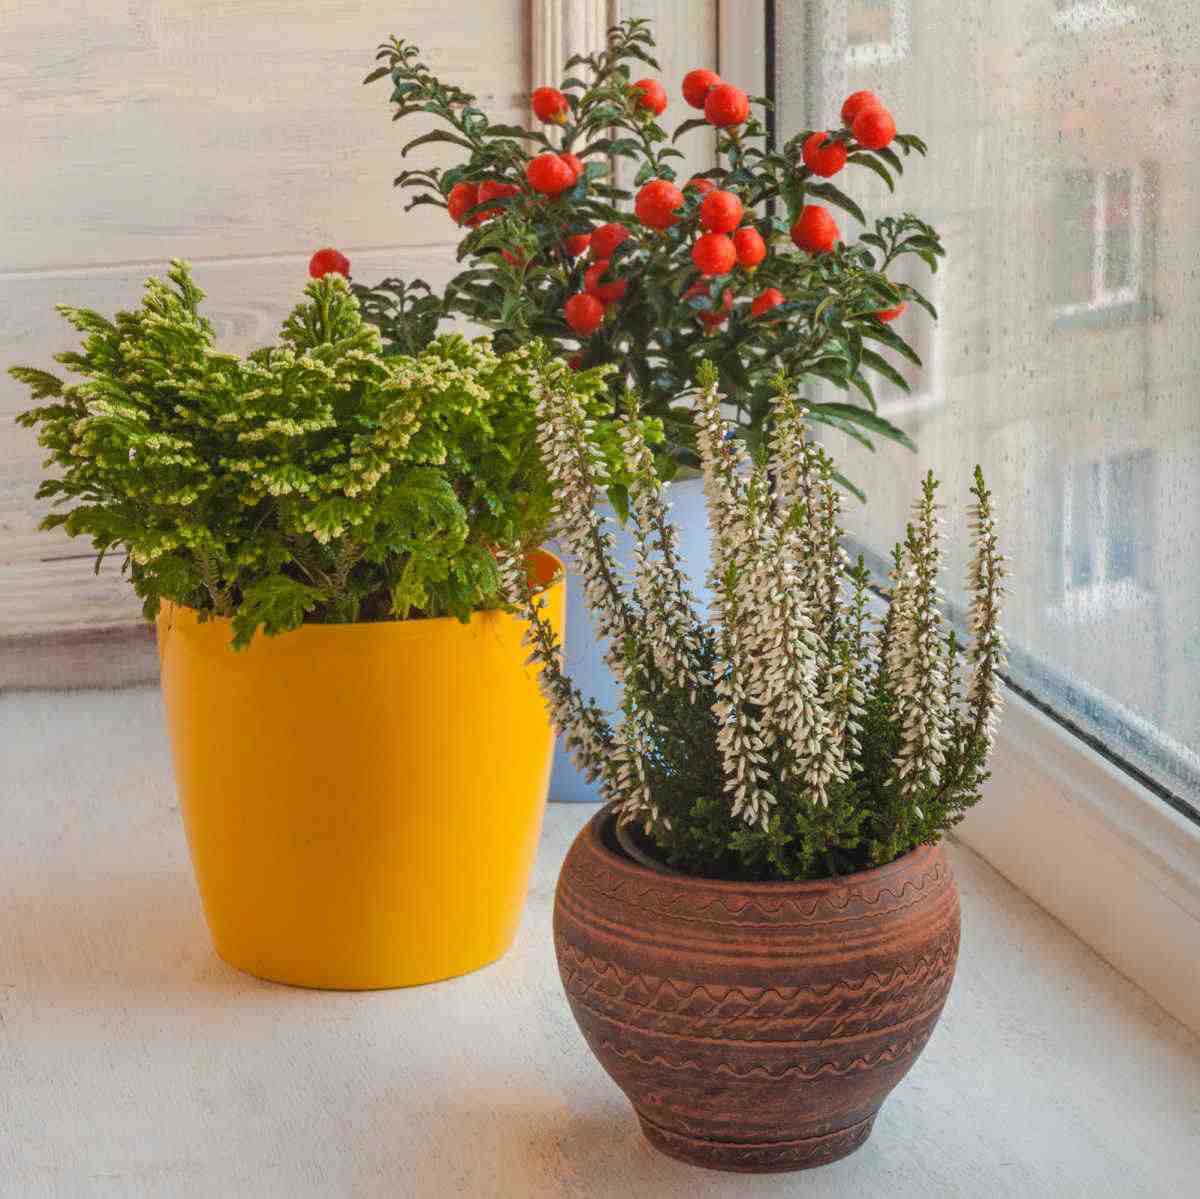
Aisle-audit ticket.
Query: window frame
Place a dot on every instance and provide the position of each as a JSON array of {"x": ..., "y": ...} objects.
[
  {"x": 1071, "y": 824},
  {"x": 894, "y": 50},
  {"x": 1101, "y": 299}
]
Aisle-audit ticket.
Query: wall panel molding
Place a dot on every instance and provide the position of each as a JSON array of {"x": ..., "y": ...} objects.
[{"x": 561, "y": 28}]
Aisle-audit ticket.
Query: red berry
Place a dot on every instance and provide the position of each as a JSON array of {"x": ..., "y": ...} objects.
[
  {"x": 714, "y": 254},
  {"x": 710, "y": 316},
  {"x": 576, "y": 164},
  {"x": 703, "y": 186},
  {"x": 720, "y": 212},
  {"x": 823, "y": 160},
  {"x": 606, "y": 293},
  {"x": 606, "y": 238},
  {"x": 328, "y": 262},
  {"x": 491, "y": 189},
  {"x": 575, "y": 362},
  {"x": 855, "y": 102},
  {"x": 815, "y": 230},
  {"x": 750, "y": 247},
  {"x": 584, "y": 313},
  {"x": 657, "y": 203},
  {"x": 726, "y": 105},
  {"x": 697, "y": 84},
  {"x": 771, "y": 298},
  {"x": 517, "y": 259},
  {"x": 576, "y": 243},
  {"x": 549, "y": 104},
  {"x": 887, "y": 315},
  {"x": 874, "y": 128},
  {"x": 649, "y": 94},
  {"x": 548, "y": 174},
  {"x": 462, "y": 198}
]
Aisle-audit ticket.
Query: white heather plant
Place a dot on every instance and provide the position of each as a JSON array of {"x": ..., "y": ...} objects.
[{"x": 783, "y": 738}]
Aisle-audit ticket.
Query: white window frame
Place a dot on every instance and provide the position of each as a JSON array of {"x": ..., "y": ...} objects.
[
  {"x": 1102, "y": 299},
  {"x": 1093, "y": 16},
  {"x": 895, "y": 49},
  {"x": 1102, "y": 597},
  {"x": 1080, "y": 835}
]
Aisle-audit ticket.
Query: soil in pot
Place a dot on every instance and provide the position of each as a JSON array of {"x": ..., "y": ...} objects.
[{"x": 755, "y": 1027}]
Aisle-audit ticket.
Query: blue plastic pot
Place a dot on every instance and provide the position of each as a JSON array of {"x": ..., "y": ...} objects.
[{"x": 585, "y": 652}]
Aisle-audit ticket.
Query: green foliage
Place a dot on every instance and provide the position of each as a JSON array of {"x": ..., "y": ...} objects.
[
  {"x": 653, "y": 335},
  {"x": 784, "y": 735},
  {"x": 314, "y": 480}
]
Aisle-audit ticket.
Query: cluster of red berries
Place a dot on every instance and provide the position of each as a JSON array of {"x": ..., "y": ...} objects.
[
  {"x": 723, "y": 104},
  {"x": 870, "y": 124},
  {"x": 725, "y": 241},
  {"x": 548, "y": 174},
  {"x": 873, "y": 128},
  {"x": 585, "y": 310},
  {"x": 864, "y": 114}
]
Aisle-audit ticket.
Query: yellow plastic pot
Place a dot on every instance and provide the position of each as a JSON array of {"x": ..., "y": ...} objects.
[{"x": 363, "y": 801}]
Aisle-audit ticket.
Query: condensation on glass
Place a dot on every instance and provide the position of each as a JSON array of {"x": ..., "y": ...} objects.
[{"x": 1064, "y": 175}]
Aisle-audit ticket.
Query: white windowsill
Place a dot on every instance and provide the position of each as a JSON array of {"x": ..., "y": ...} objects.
[
  {"x": 1115, "y": 863},
  {"x": 135, "y": 1062}
]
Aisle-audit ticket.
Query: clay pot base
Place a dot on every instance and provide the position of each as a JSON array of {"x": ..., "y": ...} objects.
[
  {"x": 776, "y": 1157},
  {"x": 755, "y": 1027}
]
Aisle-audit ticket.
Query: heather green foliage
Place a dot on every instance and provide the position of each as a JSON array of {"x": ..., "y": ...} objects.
[
  {"x": 315, "y": 479},
  {"x": 785, "y": 734}
]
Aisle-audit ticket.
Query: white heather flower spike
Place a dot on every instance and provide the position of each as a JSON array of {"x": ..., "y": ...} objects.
[
  {"x": 917, "y": 662},
  {"x": 669, "y": 608},
  {"x": 984, "y": 581},
  {"x": 565, "y": 439},
  {"x": 588, "y": 736},
  {"x": 740, "y": 522}
]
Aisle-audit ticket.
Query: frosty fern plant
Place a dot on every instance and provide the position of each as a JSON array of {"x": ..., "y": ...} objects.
[
  {"x": 315, "y": 480},
  {"x": 791, "y": 736}
]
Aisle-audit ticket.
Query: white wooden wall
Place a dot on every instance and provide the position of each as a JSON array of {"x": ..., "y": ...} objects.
[{"x": 233, "y": 133}]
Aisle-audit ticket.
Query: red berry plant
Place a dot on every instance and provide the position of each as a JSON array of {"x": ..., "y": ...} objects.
[{"x": 744, "y": 264}]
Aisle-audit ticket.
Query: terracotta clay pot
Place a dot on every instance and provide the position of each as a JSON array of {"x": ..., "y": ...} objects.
[{"x": 755, "y": 1027}]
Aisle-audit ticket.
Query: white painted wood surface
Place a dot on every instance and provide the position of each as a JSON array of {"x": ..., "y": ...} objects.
[
  {"x": 561, "y": 28},
  {"x": 133, "y": 1063},
  {"x": 234, "y": 133}
]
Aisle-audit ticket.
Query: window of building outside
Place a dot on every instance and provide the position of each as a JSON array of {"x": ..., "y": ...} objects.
[{"x": 1064, "y": 175}]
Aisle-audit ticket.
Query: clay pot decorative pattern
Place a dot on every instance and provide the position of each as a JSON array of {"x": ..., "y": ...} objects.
[{"x": 755, "y": 1027}]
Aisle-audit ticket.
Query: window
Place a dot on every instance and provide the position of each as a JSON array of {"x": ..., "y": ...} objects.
[
  {"x": 1103, "y": 551},
  {"x": 1098, "y": 263},
  {"x": 876, "y": 31},
  {"x": 1067, "y": 358}
]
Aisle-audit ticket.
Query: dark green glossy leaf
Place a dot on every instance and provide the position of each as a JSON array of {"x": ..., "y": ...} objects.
[
  {"x": 877, "y": 331},
  {"x": 436, "y": 135},
  {"x": 882, "y": 366},
  {"x": 688, "y": 126},
  {"x": 865, "y": 160},
  {"x": 871, "y": 421}
]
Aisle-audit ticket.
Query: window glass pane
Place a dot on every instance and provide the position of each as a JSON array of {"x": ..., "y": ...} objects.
[
  {"x": 870, "y": 23},
  {"x": 1073, "y": 250},
  {"x": 1064, "y": 176}
]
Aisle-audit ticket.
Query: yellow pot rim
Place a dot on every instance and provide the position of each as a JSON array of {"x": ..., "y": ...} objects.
[{"x": 550, "y": 569}]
